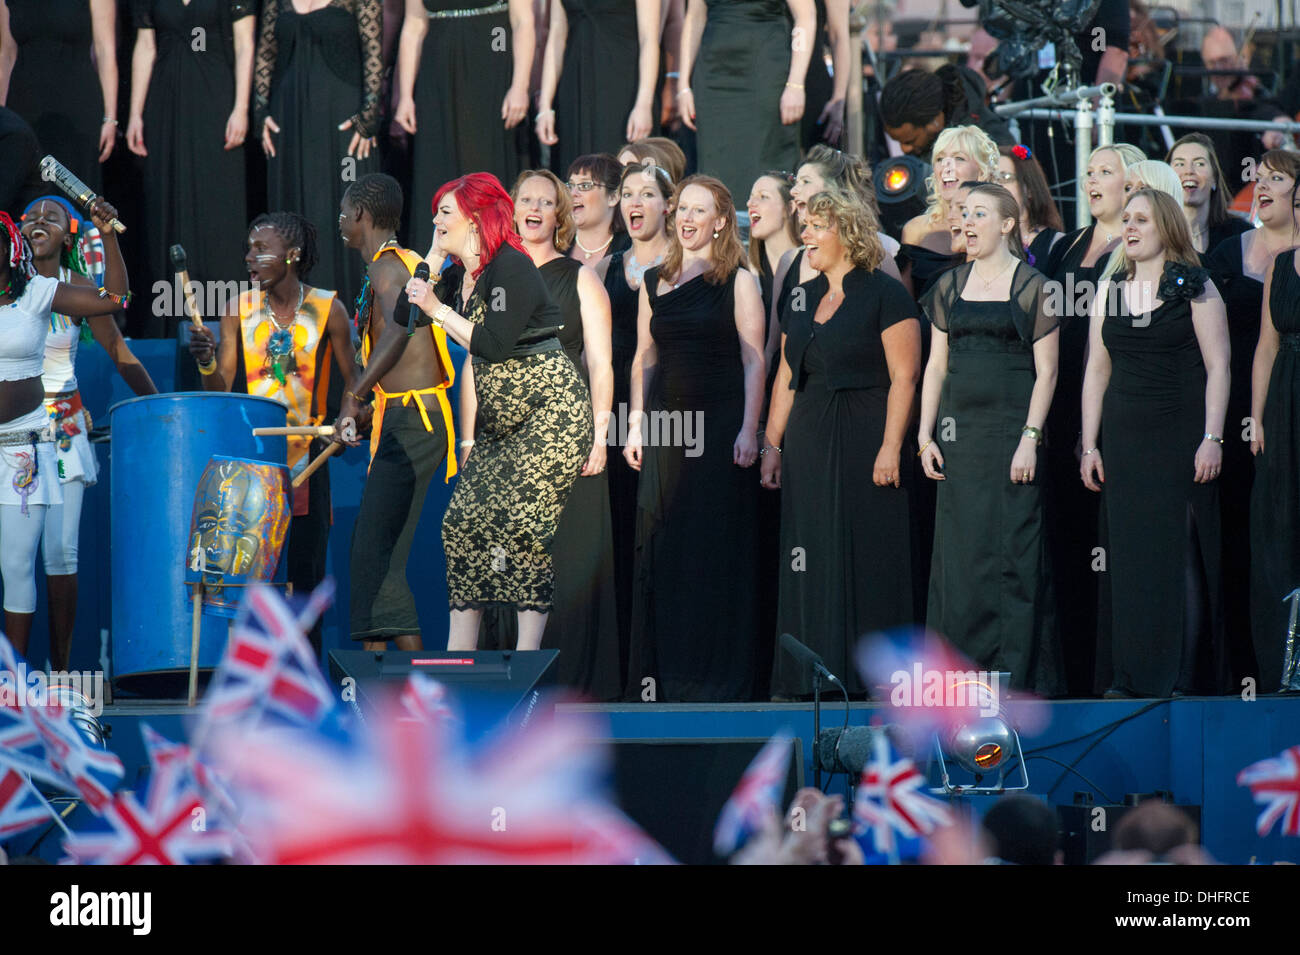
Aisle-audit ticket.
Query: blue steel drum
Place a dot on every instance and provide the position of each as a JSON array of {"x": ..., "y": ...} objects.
[{"x": 160, "y": 448}]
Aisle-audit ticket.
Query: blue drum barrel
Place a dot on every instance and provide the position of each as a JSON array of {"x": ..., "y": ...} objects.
[{"x": 160, "y": 447}]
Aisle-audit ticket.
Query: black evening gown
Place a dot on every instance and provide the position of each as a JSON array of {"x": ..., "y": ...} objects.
[
  {"x": 1074, "y": 531},
  {"x": 1275, "y": 503},
  {"x": 598, "y": 79},
  {"x": 583, "y": 623},
  {"x": 1243, "y": 296},
  {"x": 990, "y": 583},
  {"x": 54, "y": 85},
  {"x": 315, "y": 71},
  {"x": 1165, "y": 550},
  {"x": 846, "y": 565},
  {"x": 465, "y": 69},
  {"x": 196, "y": 194},
  {"x": 694, "y": 622},
  {"x": 927, "y": 265},
  {"x": 738, "y": 77},
  {"x": 623, "y": 303}
]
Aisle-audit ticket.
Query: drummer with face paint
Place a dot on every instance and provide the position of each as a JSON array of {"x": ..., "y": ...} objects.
[{"x": 279, "y": 341}]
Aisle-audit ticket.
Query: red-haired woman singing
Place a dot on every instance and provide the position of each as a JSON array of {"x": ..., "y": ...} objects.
[{"x": 534, "y": 414}]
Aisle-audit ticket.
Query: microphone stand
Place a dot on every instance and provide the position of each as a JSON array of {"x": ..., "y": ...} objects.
[{"x": 817, "y": 726}]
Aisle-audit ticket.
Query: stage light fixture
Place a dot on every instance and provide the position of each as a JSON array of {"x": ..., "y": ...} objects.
[
  {"x": 900, "y": 191},
  {"x": 986, "y": 744}
]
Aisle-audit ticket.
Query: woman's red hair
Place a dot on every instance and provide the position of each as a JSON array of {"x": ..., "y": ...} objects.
[{"x": 483, "y": 199}]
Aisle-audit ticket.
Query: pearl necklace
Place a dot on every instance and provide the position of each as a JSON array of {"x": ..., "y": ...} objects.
[{"x": 600, "y": 248}]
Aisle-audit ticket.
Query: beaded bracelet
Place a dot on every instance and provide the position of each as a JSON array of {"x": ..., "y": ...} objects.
[{"x": 124, "y": 299}]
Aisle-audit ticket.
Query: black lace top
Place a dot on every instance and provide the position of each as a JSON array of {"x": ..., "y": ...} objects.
[{"x": 368, "y": 15}]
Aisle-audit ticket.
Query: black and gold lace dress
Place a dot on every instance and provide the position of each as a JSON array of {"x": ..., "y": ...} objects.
[{"x": 532, "y": 437}]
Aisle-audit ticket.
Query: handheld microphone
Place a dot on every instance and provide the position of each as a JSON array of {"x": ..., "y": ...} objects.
[
  {"x": 54, "y": 171},
  {"x": 413, "y": 320},
  {"x": 180, "y": 265},
  {"x": 807, "y": 657}
]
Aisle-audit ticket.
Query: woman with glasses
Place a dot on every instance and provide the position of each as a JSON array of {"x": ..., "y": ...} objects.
[
  {"x": 463, "y": 68},
  {"x": 697, "y": 390},
  {"x": 1040, "y": 221},
  {"x": 645, "y": 203},
  {"x": 582, "y": 622},
  {"x": 593, "y": 191}
]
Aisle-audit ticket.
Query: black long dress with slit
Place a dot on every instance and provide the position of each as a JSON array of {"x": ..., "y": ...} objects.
[
  {"x": 1165, "y": 551},
  {"x": 694, "y": 621},
  {"x": 583, "y": 623},
  {"x": 1275, "y": 504},
  {"x": 53, "y": 84},
  {"x": 990, "y": 582},
  {"x": 1243, "y": 297},
  {"x": 846, "y": 566},
  {"x": 314, "y": 72},
  {"x": 623, "y": 307},
  {"x": 196, "y": 195},
  {"x": 466, "y": 64},
  {"x": 598, "y": 80}
]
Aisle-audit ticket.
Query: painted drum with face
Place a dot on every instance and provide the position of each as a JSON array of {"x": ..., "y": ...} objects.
[{"x": 237, "y": 531}]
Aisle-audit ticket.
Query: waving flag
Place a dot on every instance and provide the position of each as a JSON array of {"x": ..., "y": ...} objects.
[
  {"x": 1275, "y": 785},
  {"x": 269, "y": 666},
  {"x": 756, "y": 796},
  {"x": 92, "y": 772},
  {"x": 171, "y": 828},
  {"x": 889, "y": 803},
  {"x": 424, "y": 698},
  {"x": 402, "y": 794},
  {"x": 21, "y": 807},
  {"x": 164, "y": 754}
]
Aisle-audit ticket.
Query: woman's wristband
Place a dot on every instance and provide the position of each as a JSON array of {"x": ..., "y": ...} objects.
[
  {"x": 466, "y": 443},
  {"x": 1212, "y": 437},
  {"x": 1029, "y": 431},
  {"x": 1090, "y": 451},
  {"x": 921, "y": 450}
]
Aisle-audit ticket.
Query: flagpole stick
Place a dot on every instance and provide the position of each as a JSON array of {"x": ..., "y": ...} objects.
[
  {"x": 195, "y": 630},
  {"x": 320, "y": 459},
  {"x": 44, "y": 802}
]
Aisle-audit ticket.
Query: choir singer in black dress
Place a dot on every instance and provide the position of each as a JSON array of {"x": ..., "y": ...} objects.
[{"x": 851, "y": 358}]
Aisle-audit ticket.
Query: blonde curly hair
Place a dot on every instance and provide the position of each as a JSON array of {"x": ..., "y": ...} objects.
[{"x": 854, "y": 222}]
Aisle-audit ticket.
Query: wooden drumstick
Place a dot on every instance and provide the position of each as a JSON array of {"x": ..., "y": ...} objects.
[
  {"x": 306, "y": 430},
  {"x": 180, "y": 266},
  {"x": 315, "y": 464}
]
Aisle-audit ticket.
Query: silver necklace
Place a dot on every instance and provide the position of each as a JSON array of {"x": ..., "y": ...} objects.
[
  {"x": 275, "y": 320},
  {"x": 638, "y": 270},
  {"x": 600, "y": 248}
]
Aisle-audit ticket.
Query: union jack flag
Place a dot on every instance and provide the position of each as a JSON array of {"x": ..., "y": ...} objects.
[
  {"x": 404, "y": 796},
  {"x": 1275, "y": 785},
  {"x": 171, "y": 827},
  {"x": 756, "y": 797},
  {"x": 164, "y": 754},
  {"x": 424, "y": 698},
  {"x": 21, "y": 807},
  {"x": 269, "y": 666},
  {"x": 92, "y": 772},
  {"x": 889, "y": 802}
]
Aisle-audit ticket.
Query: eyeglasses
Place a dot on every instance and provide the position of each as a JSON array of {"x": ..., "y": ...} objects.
[
  {"x": 1006, "y": 177},
  {"x": 583, "y": 186}
]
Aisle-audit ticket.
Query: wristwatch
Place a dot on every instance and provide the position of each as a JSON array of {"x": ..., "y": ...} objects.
[{"x": 440, "y": 316}]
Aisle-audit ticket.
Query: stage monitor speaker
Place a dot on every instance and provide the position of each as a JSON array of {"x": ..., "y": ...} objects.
[
  {"x": 488, "y": 684},
  {"x": 1086, "y": 831},
  {"x": 675, "y": 788}
]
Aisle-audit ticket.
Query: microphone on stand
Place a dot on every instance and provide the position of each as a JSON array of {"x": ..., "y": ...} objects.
[
  {"x": 54, "y": 171},
  {"x": 415, "y": 318},
  {"x": 807, "y": 657},
  {"x": 813, "y": 662}
]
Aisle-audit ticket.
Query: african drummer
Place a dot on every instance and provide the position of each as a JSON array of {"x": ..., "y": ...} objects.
[{"x": 278, "y": 341}]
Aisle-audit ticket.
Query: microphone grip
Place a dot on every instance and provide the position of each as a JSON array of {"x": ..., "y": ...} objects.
[{"x": 413, "y": 318}]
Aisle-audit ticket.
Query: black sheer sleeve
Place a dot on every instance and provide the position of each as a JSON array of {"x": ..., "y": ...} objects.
[
  {"x": 370, "y": 27},
  {"x": 1035, "y": 315},
  {"x": 938, "y": 302},
  {"x": 265, "y": 67},
  {"x": 142, "y": 14}
]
